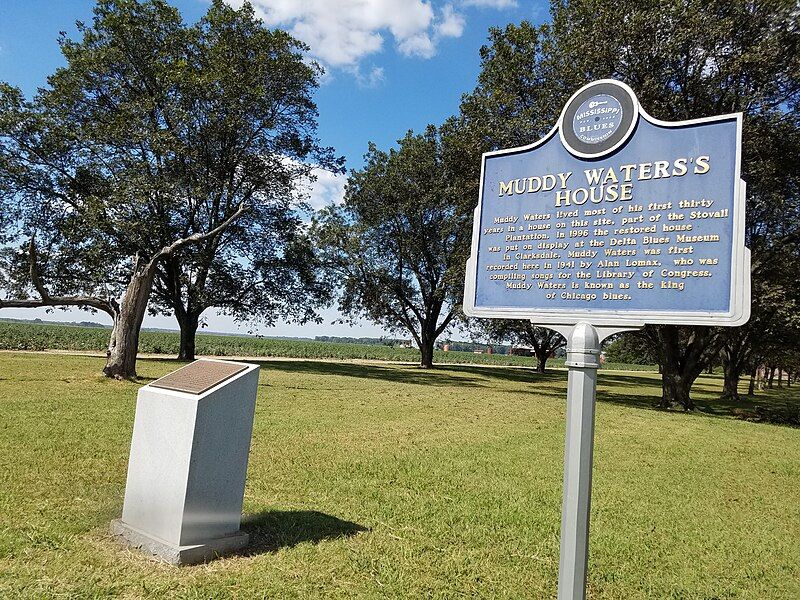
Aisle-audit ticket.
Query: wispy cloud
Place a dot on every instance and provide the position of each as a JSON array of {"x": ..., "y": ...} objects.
[
  {"x": 342, "y": 32},
  {"x": 452, "y": 23},
  {"x": 372, "y": 78}
]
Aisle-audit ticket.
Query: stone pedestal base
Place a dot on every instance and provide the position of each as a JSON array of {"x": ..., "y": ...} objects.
[
  {"x": 178, "y": 555},
  {"x": 188, "y": 462}
]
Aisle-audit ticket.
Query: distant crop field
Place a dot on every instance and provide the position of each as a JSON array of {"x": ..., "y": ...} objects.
[{"x": 35, "y": 336}]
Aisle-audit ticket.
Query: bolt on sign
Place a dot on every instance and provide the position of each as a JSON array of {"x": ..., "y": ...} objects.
[
  {"x": 612, "y": 221},
  {"x": 614, "y": 217}
]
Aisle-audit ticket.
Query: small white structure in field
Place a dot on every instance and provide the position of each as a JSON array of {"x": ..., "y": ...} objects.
[{"x": 188, "y": 462}]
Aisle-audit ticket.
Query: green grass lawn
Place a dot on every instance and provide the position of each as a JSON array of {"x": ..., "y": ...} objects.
[{"x": 390, "y": 481}]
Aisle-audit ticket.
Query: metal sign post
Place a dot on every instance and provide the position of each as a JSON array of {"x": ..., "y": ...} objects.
[
  {"x": 611, "y": 221},
  {"x": 583, "y": 360}
]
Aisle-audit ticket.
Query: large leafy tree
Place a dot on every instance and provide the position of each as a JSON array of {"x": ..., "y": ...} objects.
[
  {"x": 251, "y": 133},
  {"x": 88, "y": 161},
  {"x": 143, "y": 153},
  {"x": 397, "y": 246},
  {"x": 685, "y": 60}
]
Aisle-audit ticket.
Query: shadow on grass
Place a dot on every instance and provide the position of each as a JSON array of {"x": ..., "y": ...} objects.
[
  {"x": 517, "y": 374},
  {"x": 777, "y": 406},
  {"x": 641, "y": 391},
  {"x": 647, "y": 394},
  {"x": 393, "y": 373},
  {"x": 628, "y": 380},
  {"x": 272, "y": 530},
  {"x": 467, "y": 375},
  {"x": 439, "y": 375}
]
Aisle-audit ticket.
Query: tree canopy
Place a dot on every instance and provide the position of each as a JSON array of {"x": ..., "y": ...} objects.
[
  {"x": 161, "y": 149},
  {"x": 398, "y": 244}
]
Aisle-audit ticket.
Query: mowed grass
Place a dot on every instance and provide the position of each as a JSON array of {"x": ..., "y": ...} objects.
[{"x": 390, "y": 481}]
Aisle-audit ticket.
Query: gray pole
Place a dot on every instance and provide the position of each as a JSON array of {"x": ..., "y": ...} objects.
[{"x": 583, "y": 360}]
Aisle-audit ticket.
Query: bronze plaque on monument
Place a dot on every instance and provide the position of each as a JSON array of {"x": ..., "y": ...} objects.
[{"x": 199, "y": 376}]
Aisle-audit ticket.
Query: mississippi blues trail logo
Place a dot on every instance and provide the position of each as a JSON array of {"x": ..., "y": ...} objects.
[{"x": 597, "y": 119}]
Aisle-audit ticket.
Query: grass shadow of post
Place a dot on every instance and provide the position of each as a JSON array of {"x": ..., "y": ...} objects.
[{"x": 272, "y": 530}]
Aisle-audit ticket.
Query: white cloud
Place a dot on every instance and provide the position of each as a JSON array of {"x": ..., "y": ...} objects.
[
  {"x": 317, "y": 187},
  {"x": 372, "y": 79},
  {"x": 327, "y": 189},
  {"x": 491, "y": 3},
  {"x": 342, "y": 32},
  {"x": 420, "y": 45},
  {"x": 452, "y": 23}
]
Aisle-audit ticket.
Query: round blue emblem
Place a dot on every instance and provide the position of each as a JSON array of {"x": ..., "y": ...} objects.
[{"x": 597, "y": 118}]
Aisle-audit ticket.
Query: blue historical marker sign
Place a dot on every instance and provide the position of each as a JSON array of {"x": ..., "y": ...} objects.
[{"x": 614, "y": 218}]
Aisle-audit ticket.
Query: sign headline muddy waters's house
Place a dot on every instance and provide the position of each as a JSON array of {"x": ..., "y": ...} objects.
[{"x": 612, "y": 221}]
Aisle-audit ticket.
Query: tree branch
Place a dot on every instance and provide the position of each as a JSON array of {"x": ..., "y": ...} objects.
[
  {"x": 444, "y": 323},
  {"x": 199, "y": 237},
  {"x": 45, "y": 299}
]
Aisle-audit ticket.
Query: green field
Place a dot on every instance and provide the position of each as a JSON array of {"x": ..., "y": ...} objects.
[
  {"x": 371, "y": 480},
  {"x": 34, "y": 336}
]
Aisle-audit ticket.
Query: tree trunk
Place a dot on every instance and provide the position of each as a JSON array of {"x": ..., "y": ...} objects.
[
  {"x": 426, "y": 352},
  {"x": 734, "y": 360},
  {"x": 169, "y": 287},
  {"x": 683, "y": 353},
  {"x": 751, "y": 389},
  {"x": 188, "y": 323},
  {"x": 730, "y": 386},
  {"x": 675, "y": 389},
  {"x": 771, "y": 377},
  {"x": 124, "y": 343},
  {"x": 129, "y": 313},
  {"x": 780, "y": 377},
  {"x": 541, "y": 360}
]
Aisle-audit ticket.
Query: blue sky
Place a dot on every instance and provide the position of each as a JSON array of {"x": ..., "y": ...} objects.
[{"x": 391, "y": 65}]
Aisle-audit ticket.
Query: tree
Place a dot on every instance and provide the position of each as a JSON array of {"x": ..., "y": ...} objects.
[
  {"x": 630, "y": 347},
  {"x": 545, "y": 342},
  {"x": 773, "y": 330},
  {"x": 683, "y": 353},
  {"x": 110, "y": 165},
  {"x": 251, "y": 132},
  {"x": 398, "y": 244},
  {"x": 263, "y": 278},
  {"x": 84, "y": 160},
  {"x": 685, "y": 60}
]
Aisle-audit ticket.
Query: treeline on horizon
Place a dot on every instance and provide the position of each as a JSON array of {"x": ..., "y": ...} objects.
[
  {"x": 454, "y": 346},
  {"x": 31, "y": 336}
]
